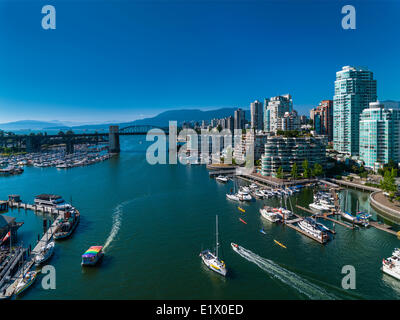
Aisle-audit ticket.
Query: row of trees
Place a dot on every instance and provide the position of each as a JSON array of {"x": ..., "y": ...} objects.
[{"x": 308, "y": 172}]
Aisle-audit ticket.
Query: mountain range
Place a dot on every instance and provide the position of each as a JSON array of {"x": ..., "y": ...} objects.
[{"x": 160, "y": 120}]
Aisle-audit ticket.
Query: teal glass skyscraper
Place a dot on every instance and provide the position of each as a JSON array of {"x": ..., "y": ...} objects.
[
  {"x": 355, "y": 88},
  {"x": 379, "y": 135}
]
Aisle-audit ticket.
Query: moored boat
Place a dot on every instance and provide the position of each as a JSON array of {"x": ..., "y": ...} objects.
[
  {"x": 45, "y": 253},
  {"x": 67, "y": 225},
  {"x": 25, "y": 282}
]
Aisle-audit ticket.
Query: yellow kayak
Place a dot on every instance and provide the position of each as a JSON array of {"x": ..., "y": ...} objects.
[
  {"x": 241, "y": 209},
  {"x": 277, "y": 242}
]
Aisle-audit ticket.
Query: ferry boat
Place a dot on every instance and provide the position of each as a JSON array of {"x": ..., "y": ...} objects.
[
  {"x": 269, "y": 214},
  {"x": 92, "y": 256},
  {"x": 212, "y": 260},
  {"x": 221, "y": 178},
  {"x": 45, "y": 253},
  {"x": 50, "y": 200},
  {"x": 313, "y": 228},
  {"x": 67, "y": 225},
  {"x": 26, "y": 281},
  {"x": 391, "y": 265}
]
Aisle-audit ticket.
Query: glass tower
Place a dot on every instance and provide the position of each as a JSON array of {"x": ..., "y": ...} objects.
[{"x": 355, "y": 88}]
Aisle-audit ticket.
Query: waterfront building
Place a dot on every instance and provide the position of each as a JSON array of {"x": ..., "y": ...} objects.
[
  {"x": 281, "y": 151},
  {"x": 379, "y": 135},
  {"x": 240, "y": 119},
  {"x": 256, "y": 114},
  {"x": 322, "y": 117},
  {"x": 355, "y": 88},
  {"x": 274, "y": 110}
]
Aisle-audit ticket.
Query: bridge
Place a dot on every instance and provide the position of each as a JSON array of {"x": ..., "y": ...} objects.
[{"x": 35, "y": 142}]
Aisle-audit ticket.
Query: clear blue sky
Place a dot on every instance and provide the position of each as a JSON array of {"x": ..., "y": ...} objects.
[{"x": 122, "y": 60}]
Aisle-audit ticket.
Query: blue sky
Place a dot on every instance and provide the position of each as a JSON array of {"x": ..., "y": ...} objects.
[{"x": 122, "y": 60}]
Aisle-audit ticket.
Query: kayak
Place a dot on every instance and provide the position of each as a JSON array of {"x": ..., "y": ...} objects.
[
  {"x": 241, "y": 209},
  {"x": 277, "y": 242},
  {"x": 241, "y": 220},
  {"x": 262, "y": 231}
]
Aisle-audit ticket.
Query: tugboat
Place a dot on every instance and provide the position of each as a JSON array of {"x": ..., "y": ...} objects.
[{"x": 211, "y": 260}]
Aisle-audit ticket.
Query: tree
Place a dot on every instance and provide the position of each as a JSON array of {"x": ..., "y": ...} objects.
[
  {"x": 388, "y": 183},
  {"x": 306, "y": 169},
  {"x": 294, "y": 174},
  {"x": 318, "y": 170},
  {"x": 258, "y": 162},
  {"x": 279, "y": 173}
]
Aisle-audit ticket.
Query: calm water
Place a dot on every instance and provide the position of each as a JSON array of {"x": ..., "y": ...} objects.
[{"x": 154, "y": 220}]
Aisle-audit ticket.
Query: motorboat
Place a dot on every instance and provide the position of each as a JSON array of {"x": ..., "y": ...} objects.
[
  {"x": 221, "y": 178},
  {"x": 269, "y": 214}
]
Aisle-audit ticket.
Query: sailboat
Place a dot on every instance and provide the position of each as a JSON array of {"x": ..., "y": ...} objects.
[
  {"x": 46, "y": 251},
  {"x": 212, "y": 260}
]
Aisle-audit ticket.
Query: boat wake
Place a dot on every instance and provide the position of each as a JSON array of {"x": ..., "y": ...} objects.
[
  {"x": 117, "y": 219},
  {"x": 302, "y": 285}
]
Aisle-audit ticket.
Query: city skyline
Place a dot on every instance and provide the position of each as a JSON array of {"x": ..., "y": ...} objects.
[{"x": 97, "y": 67}]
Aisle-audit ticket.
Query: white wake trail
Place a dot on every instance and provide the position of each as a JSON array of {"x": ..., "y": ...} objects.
[
  {"x": 305, "y": 287},
  {"x": 117, "y": 219}
]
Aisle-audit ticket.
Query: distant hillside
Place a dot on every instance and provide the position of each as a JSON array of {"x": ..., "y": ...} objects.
[
  {"x": 162, "y": 119},
  {"x": 28, "y": 124}
]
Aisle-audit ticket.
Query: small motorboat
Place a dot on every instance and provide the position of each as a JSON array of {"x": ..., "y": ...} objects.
[
  {"x": 25, "y": 282},
  {"x": 92, "y": 256},
  {"x": 241, "y": 220},
  {"x": 232, "y": 196},
  {"x": 221, "y": 178},
  {"x": 235, "y": 247}
]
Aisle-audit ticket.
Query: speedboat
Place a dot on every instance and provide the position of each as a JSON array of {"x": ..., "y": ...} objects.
[
  {"x": 92, "y": 256},
  {"x": 269, "y": 214},
  {"x": 253, "y": 186},
  {"x": 244, "y": 196},
  {"x": 316, "y": 206},
  {"x": 221, "y": 178},
  {"x": 245, "y": 189},
  {"x": 391, "y": 266},
  {"x": 232, "y": 196},
  {"x": 259, "y": 194},
  {"x": 235, "y": 247},
  {"x": 25, "y": 282},
  {"x": 45, "y": 253},
  {"x": 211, "y": 260}
]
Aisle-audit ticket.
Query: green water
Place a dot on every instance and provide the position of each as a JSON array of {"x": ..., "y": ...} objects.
[{"x": 156, "y": 219}]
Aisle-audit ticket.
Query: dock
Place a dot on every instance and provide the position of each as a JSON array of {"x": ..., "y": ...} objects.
[
  {"x": 59, "y": 214},
  {"x": 383, "y": 227}
]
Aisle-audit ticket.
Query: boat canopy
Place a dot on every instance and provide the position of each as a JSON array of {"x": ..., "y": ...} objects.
[{"x": 92, "y": 251}]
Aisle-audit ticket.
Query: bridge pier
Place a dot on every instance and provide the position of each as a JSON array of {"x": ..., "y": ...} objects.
[{"x": 113, "y": 139}]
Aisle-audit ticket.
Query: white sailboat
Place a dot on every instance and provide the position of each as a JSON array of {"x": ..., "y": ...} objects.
[{"x": 212, "y": 260}]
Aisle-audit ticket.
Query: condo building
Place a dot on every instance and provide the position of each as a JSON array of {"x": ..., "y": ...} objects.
[
  {"x": 281, "y": 151},
  {"x": 274, "y": 110},
  {"x": 322, "y": 117},
  {"x": 249, "y": 142},
  {"x": 355, "y": 88},
  {"x": 256, "y": 114},
  {"x": 239, "y": 119},
  {"x": 379, "y": 135}
]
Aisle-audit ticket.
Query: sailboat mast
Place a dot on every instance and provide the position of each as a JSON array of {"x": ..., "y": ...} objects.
[{"x": 216, "y": 250}]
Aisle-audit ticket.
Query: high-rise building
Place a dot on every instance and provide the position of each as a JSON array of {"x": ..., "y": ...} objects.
[
  {"x": 275, "y": 109},
  {"x": 239, "y": 120},
  {"x": 229, "y": 123},
  {"x": 355, "y": 88},
  {"x": 290, "y": 121},
  {"x": 322, "y": 117},
  {"x": 379, "y": 135},
  {"x": 256, "y": 114}
]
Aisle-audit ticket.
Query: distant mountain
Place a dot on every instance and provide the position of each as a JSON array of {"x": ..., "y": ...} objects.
[
  {"x": 28, "y": 125},
  {"x": 391, "y": 104},
  {"x": 162, "y": 119}
]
